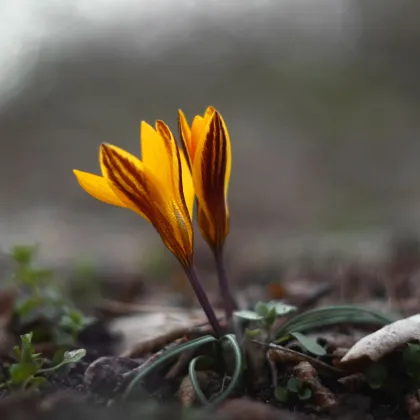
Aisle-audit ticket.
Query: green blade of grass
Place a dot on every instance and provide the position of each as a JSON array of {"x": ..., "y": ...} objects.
[
  {"x": 330, "y": 315},
  {"x": 198, "y": 342}
]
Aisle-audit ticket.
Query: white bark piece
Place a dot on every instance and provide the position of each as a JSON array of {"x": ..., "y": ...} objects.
[{"x": 384, "y": 341}]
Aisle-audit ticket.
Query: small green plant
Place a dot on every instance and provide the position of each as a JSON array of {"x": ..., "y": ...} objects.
[
  {"x": 26, "y": 372},
  {"x": 73, "y": 322},
  {"x": 40, "y": 297},
  {"x": 294, "y": 388},
  {"x": 266, "y": 314}
]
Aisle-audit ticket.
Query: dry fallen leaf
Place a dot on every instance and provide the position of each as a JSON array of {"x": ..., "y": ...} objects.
[
  {"x": 324, "y": 398},
  {"x": 141, "y": 328},
  {"x": 382, "y": 342}
]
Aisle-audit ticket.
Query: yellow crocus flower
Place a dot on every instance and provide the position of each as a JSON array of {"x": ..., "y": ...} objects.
[
  {"x": 159, "y": 187},
  {"x": 207, "y": 146}
]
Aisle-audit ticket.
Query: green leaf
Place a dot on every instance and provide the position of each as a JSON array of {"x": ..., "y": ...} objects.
[
  {"x": 333, "y": 315},
  {"x": 270, "y": 317},
  {"x": 376, "y": 375},
  {"x": 19, "y": 372},
  {"x": 23, "y": 254},
  {"x": 294, "y": 385},
  {"x": 310, "y": 344},
  {"x": 166, "y": 356},
  {"x": 281, "y": 394},
  {"x": 261, "y": 309},
  {"x": 305, "y": 394},
  {"x": 248, "y": 315},
  {"x": 193, "y": 377},
  {"x": 27, "y": 350},
  {"x": 237, "y": 372},
  {"x": 74, "y": 356},
  {"x": 281, "y": 308}
]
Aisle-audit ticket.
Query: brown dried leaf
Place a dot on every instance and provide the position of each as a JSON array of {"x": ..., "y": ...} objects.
[
  {"x": 382, "y": 342},
  {"x": 324, "y": 398},
  {"x": 145, "y": 333}
]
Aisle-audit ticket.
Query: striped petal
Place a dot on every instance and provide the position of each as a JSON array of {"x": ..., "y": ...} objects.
[
  {"x": 211, "y": 174},
  {"x": 197, "y": 127},
  {"x": 185, "y": 136},
  {"x": 98, "y": 187},
  {"x": 125, "y": 176},
  {"x": 173, "y": 206}
]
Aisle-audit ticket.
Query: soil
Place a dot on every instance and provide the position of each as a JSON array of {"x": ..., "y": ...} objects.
[{"x": 93, "y": 387}]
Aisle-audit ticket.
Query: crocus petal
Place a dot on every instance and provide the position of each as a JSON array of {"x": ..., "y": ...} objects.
[
  {"x": 190, "y": 137},
  {"x": 171, "y": 214},
  {"x": 157, "y": 160},
  {"x": 174, "y": 160},
  {"x": 211, "y": 172},
  {"x": 188, "y": 185},
  {"x": 98, "y": 187},
  {"x": 185, "y": 136},
  {"x": 197, "y": 128},
  {"x": 125, "y": 176}
]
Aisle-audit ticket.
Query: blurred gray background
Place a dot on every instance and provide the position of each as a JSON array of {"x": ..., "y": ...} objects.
[{"x": 321, "y": 97}]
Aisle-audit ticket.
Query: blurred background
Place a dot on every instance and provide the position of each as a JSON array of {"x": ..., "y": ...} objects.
[{"x": 321, "y": 98}]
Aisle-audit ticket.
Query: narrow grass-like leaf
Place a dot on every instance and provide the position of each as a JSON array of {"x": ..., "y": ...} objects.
[
  {"x": 198, "y": 342},
  {"x": 330, "y": 315},
  {"x": 239, "y": 364},
  {"x": 192, "y": 372}
]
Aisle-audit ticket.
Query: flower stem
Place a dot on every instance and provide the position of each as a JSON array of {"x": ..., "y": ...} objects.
[
  {"x": 203, "y": 299},
  {"x": 228, "y": 301}
]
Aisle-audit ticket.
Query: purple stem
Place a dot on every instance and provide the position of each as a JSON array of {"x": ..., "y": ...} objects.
[
  {"x": 228, "y": 301},
  {"x": 203, "y": 299}
]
